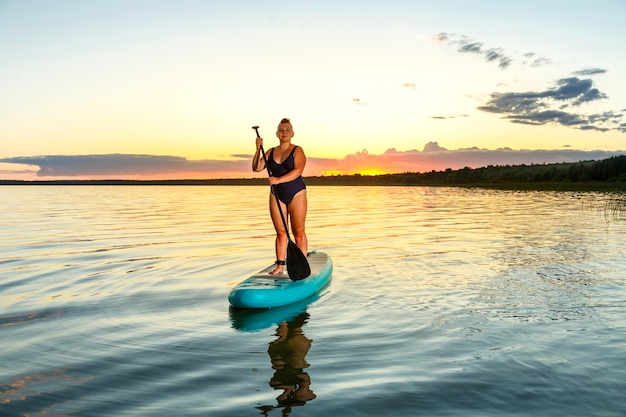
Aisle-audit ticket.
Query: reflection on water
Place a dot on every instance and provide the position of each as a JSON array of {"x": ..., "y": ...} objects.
[
  {"x": 288, "y": 356},
  {"x": 38, "y": 388},
  {"x": 253, "y": 320}
]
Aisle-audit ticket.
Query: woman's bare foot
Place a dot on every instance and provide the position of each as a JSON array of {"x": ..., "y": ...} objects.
[{"x": 279, "y": 268}]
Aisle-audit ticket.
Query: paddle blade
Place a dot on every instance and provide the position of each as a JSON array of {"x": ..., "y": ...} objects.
[{"x": 297, "y": 265}]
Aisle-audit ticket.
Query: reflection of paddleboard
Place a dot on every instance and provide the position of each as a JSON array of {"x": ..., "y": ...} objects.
[
  {"x": 263, "y": 290},
  {"x": 253, "y": 320}
]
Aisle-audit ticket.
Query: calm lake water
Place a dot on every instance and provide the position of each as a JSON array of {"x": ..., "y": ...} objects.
[{"x": 444, "y": 302}]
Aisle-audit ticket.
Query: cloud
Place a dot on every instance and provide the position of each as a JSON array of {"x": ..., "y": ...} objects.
[
  {"x": 590, "y": 71},
  {"x": 449, "y": 117},
  {"x": 433, "y": 147},
  {"x": 549, "y": 106},
  {"x": 130, "y": 166},
  {"x": 534, "y": 60},
  {"x": 497, "y": 55}
]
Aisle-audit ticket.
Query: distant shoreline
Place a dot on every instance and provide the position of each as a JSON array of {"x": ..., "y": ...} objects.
[
  {"x": 324, "y": 181},
  {"x": 605, "y": 175}
]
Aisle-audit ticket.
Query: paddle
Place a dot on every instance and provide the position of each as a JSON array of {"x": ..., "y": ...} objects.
[{"x": 297, "y": 265}]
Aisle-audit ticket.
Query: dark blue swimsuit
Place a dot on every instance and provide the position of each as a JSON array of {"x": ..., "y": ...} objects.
[{"x": 285, "y": 190}]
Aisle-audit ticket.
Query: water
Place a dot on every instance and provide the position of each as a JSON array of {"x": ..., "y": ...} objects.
[{"x": 444, "y": 302}]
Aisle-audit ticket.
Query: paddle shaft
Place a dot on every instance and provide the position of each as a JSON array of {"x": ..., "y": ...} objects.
[{"x": 269, "y": 172}]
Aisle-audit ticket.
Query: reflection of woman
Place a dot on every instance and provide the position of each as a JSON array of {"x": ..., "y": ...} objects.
[{"x": 287, "y": 354}]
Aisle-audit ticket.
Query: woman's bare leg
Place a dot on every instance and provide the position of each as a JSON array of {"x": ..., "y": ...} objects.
[
  {"x": 281, "y": 234},
  {"x": 297, "y": 214}
]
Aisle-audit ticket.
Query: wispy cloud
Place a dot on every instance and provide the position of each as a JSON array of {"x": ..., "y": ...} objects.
[
  {"x": 590, "y": 71},
  {"x": 449, "y": 117},
  {"x": 554, "y": 106},
  {"x": 498, "y": 55},
  {"x": 535, "y": 60}
]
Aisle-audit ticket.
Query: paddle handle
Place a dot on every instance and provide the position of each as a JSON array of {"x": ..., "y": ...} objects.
[{"x": 256, "y": 129}]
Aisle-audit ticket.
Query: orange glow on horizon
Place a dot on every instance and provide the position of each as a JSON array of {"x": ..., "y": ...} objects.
[
  {"x": 371, "y": 172},
  {"x": 365, "y": 172},
  {"x": 332, "y": 173}
]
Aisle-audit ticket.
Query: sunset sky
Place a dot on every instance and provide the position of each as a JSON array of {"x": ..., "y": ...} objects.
[{"x": 170, "y": 89}]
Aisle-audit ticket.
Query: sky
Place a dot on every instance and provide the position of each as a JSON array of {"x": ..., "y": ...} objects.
[{"x": 170, "y": 89}]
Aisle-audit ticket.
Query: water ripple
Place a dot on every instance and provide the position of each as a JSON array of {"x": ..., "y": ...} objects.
[{"x": 113, "y": 301}]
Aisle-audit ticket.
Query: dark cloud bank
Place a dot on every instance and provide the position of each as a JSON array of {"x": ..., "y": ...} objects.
[
  {"x": 435, "y": 157},
  {"x": 557, "y": 105},
  {"x": 125, "y": 165}
]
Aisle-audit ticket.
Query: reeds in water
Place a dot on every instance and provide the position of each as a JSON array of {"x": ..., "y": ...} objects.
[{"x": 612, "y": 206}]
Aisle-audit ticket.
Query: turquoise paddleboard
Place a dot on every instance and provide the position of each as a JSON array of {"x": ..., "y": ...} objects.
[{"x": 263, "y": 290}]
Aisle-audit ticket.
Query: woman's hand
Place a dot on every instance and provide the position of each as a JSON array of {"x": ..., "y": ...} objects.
[
  {"x": 256, "y": 159},
  {"x": 274, "y": 181}
]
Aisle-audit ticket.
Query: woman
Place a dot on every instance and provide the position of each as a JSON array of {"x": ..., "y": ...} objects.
[{"x": 286, "y": 163}]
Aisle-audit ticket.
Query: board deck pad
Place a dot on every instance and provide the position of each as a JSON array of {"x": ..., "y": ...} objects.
[
  {"x": 262, "y": 290},
  {"x": 317, "y": 260}
]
